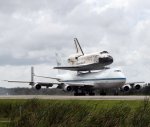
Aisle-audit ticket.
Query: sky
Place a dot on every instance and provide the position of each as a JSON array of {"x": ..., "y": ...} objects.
[{"x": 33, "y": 31}]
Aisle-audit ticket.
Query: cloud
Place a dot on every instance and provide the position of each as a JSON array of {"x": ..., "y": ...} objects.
[{"x": 33, "y": 30}]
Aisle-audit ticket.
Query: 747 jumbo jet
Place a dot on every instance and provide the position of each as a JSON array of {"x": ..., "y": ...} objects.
[{"x": 82, "y": 83}]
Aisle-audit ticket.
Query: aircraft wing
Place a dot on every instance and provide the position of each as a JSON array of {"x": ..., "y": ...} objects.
[
  {"x": 79, "y": 84},
  {"x": 57, "y": 79},
  {"x": 31, "y": 82},
  {"x": 46, "y": 84},
  {"x": 16, "y": 81},
  {"x": 134, "y": 82}
]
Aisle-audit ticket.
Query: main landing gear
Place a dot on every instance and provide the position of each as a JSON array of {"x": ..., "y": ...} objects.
[
  {"x": 83, "y": 92},
  {"x": 102, "y": 92},
  {"x": 79, "y": 92}
]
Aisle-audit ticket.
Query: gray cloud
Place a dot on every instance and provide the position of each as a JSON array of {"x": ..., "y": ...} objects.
[{"x": 32, "y": 31}]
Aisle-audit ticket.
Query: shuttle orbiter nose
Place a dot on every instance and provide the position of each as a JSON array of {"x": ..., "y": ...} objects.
[
  {"x": 110, "y": 59},
  {"x": 106, "y": 60}
]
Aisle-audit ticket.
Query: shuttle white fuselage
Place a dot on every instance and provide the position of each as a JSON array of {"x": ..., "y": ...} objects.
[{"x": 101, "y": 58}]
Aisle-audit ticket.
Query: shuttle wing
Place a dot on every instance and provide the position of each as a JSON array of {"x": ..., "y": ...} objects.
[
  {"x": 72, "y": 68},
  {"x": 82, "y": 67}
]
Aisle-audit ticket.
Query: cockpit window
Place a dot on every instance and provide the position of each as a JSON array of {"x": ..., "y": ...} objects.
[
  {"x": 117, "y": 70},
  {"x": 103, "y": 52}
]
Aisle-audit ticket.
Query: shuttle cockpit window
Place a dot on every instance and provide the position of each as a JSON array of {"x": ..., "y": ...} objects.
[{"x": 103, "y": 52}]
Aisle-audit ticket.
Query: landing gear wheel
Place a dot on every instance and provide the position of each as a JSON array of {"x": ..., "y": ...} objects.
[
  {"x": 116, "y": 93},
  {"x": 103, "y": 93},
  {"x": 79, "y": 94},
  {"x": 76, "y": 94},
  {"x": 82, "y": 94},
  {"x": 91, "y": 94}
]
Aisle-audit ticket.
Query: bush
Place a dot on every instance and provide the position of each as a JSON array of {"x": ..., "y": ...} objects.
[
  {"x": 141, "y": 116},
  {"x": 36, "y": 113}
]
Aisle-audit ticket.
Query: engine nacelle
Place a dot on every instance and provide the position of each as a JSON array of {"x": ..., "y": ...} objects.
[
  {"x": 67, "y": 88},
  {"x": 38, "y": 87},
  {"x": 139, "y": 86},
  {"x": 126, "y": 88}
]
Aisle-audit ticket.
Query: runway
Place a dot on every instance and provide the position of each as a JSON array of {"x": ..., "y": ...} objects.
[{"x": 52, "y": 97}]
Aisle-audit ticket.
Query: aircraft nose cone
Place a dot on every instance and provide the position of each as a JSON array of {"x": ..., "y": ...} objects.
[
  {"x": 110, "y": 59},
  {"x": 106, "y": 60}
]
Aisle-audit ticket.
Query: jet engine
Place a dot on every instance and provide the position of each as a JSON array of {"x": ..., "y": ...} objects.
[
  {"x": 38, "y": 87},
  {"x": 139, "y": 86},
  {"x": 126, "y": 88},
  {"x": 67, "y": 88}
]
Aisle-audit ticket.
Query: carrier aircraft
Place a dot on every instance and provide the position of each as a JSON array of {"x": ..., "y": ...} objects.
[
  {"x": 84, "y": 83},
  {"x": 87, "y": 73}
]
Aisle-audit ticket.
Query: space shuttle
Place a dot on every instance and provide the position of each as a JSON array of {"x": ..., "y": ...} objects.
[{"x": 87, "y": 62}]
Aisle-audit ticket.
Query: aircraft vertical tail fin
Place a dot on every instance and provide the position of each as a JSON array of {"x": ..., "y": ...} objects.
[
  {"x": 32, "y": 77},
  {"x": 78, "y": 47},
  {"x": 59, "y": 62}
]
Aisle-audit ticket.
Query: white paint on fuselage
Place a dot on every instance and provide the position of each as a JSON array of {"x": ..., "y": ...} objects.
[
  {"x": 88, "y": 59},
  {"x": 109, "y": 78},
  {"x": 78, "y": 59}
]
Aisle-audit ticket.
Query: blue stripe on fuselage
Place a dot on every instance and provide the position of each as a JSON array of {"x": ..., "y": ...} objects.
[{"x": 94, "y": 79}]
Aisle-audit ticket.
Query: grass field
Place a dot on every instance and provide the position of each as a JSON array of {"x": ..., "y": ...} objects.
[{"x": 74, "y": 113}]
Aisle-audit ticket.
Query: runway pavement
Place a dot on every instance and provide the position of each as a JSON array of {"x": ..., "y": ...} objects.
[{"x": 52, "y": 97}]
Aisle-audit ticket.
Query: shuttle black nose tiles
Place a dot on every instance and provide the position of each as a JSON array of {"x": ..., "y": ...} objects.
[
  {"x": 110, "y": 59},
  {"x": 106, "y": 60}
]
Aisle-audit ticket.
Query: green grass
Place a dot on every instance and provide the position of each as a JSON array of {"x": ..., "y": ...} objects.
[
  {"x": 98, "y": 103},
  {"x": 74, "y": 113},
  {"x": 3, "y": 124}
]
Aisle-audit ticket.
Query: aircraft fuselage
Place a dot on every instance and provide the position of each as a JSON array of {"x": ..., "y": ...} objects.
[{"x": 109, "y": 78}]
